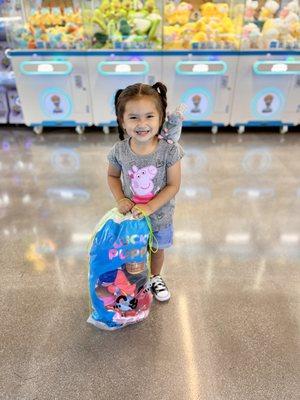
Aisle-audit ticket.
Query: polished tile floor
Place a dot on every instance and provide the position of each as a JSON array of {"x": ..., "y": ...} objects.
[{"x": 231, "y": 330}]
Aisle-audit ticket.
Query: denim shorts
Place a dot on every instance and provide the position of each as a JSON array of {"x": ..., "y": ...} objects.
[{"x": 163, "y": 238}]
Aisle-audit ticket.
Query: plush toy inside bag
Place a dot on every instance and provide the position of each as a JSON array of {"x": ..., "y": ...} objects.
[{"x": 119, "y": 271}]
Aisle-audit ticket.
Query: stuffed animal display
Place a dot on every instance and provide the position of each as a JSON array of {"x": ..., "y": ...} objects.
[
  {"x": 187, "y": 25},
  {"x": 273, "y": 26},
  {"x": 51, "y": 28},
  {"x": 126, "y": 24},
  {"x": 141, "y": 24}
]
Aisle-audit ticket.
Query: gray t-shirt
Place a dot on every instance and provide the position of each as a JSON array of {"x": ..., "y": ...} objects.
[{"x": 145, "y": 176}]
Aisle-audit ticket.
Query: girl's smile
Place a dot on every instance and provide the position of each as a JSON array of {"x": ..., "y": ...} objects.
[{"x": 141, "y": 120}]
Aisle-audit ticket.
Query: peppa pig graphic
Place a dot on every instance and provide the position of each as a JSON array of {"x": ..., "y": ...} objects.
[{"x": 142, "y": 183}]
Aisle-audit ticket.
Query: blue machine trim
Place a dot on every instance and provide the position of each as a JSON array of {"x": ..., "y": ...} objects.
[
  {"x": 212, "y": 52},
  {"x": 113, "y": 124},
  {"x": 59, "y": 123},
  {"x": 264, "y": 123},
  {"x": 190, "y": 124},
  {"x": 46, "y": 53}
]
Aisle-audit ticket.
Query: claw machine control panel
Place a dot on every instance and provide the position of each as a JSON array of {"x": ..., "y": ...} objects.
[{"x": 47, "y": 42}]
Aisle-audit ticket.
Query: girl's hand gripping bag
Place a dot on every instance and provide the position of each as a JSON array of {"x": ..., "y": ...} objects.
[{"x": 119, "y": 271}]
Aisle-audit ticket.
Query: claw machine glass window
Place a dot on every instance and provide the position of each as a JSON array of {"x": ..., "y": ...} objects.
[
  {"x": 198, "y": 24},
  {"x": 271, "y": 24},
  {"x": 124, "y": 24},
  {"x": 45, "y": 24}
]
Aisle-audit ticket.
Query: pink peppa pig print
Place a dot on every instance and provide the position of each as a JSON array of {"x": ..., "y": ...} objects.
[{"x": 142, "y": 183}]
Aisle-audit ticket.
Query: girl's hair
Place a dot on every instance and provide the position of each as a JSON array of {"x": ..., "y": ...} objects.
[{"x": 158, "y": 91}]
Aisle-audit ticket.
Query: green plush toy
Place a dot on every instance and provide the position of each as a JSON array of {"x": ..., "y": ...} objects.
[{"x": 124, "y": 28}]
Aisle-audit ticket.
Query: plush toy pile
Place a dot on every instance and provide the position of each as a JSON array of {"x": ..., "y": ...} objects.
[
  {"x": 208, "y": 26},
  {"x": 127, "y": 24},
  {"x": 52, "y": 28},
  {"x": 137, "y": 24},
  {"x": 271, "y": 26}
]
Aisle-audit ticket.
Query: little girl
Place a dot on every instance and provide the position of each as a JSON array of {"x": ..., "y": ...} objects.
[{"x": 144, "y": 172}]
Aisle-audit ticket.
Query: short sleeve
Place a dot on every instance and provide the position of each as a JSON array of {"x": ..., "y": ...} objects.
[
  {"x": 175, "y": 154},
  {"x": 113, "y": 158}
]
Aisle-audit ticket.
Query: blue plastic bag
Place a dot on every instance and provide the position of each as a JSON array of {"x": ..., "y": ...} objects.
[{"x": 119, "y": 271}]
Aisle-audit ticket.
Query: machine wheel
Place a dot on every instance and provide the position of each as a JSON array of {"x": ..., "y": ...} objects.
[
  {"x": 214, "y": 129},
  {"x": 106, "y": 129},
  {"x": 283, "y": 129},
  {"x": 241, "y": 129},
  {"x": 38, "y": 129},
  {"x": 80, "y": 129}
]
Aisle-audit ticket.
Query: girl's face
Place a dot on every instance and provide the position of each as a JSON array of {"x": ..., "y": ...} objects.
[{"x": 141, "y": 119}]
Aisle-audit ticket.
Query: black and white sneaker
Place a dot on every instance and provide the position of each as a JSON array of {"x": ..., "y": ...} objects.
[{"x": 159, "y": 288}]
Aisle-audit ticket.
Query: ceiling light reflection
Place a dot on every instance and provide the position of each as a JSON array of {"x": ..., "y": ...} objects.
[
  {"x": 237, "y": 238},
  {"x": 189, "y": 351},
  {"x": 289, "y": 238},
  {"x": 190, "y": 236}
]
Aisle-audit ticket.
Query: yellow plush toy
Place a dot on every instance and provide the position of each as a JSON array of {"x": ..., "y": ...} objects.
[
  {"x": 222, "y": 10},
  {"x": 268, "y": 10},
  {"x": 208, "y": 10},
  {"x": 183, "y": 12},
  {"x": 199, "y": 37}
]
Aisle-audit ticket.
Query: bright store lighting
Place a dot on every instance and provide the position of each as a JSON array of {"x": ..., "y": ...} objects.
[
  {"x": 190, "y": 192},
  {"x": 123, "y": 68},
  {"x": 4, "y": 200},
  {"x": 80, "y": 237},
  {"x": 200, "y": 68},
  {"x": 237, "y": 238},
  {"x": 289, "y": 238},
  {"x": 20, "y": 165},
  {"x": 45, "y": 68},
  {"x": 66, "y": 194},
  {"x": 253, "y": 193},
  {"x": 188, "y": 236},
  {"x": 10, "y": 19},
  {"x": 279, "y": 68},
  {"x": 26, "y": 199}
]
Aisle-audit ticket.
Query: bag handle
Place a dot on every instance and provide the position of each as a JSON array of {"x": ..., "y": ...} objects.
[{"x": 152, "y": 237}]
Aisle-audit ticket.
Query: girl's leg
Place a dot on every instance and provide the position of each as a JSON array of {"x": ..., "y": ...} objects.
[
  {"x": 159, "y": 288},
  {"x": 157, "y": 260}
]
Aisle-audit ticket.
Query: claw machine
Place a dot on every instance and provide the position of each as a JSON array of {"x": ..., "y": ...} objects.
[
  {"x": 125, "y": 49},
  {"x": 47, "y": 42},
  {"x": 10, "y": 108},
  {"x": 201, "y": 41},
  {"x": 267, "y": 91}
]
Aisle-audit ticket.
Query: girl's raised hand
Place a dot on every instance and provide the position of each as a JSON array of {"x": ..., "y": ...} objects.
[
  {"x": 125, "y": 205},
  {"x": 141, "y": 210}
]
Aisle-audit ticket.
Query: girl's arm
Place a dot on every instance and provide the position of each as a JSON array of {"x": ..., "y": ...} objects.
[
  {"x": 168, "y": 192},
  {"x": 115, "y": 185},
  {"x": 114, "y": 182}
]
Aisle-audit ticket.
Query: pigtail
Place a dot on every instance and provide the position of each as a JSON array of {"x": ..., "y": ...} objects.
[
  {"x": 120, "y": 129},
  {"x": 162, "y": 91}
]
